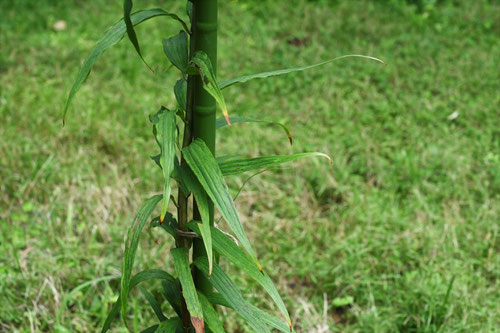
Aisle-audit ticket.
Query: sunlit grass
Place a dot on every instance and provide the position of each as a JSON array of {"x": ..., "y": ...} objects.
[{"x": 410, "y": 202}]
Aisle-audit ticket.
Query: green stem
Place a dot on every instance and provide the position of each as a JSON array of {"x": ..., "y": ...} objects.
[{"x": 204, "y": 38}]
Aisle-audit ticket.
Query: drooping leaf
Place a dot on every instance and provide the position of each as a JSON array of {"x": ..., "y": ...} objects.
[
  {"x": 234, "y": 167},
  {"x": 176, "y": 49},
  {"x": 180, "y": 91},
  {"x": 210, "y": 315},
  {"x": 169, "y": 326},
  {"x": 172, "y": 293},
  {"x": 136, "y": 279},
  {"x": 181, "y": 263},
  {"x": 241, "y": 79},
  {"x": 221, "y": 122},
  {"x": 112, "y": 36},
  {"x": 227, "y": 248},
  {"x": 194, "y": 186},
  {"x": 131, "y": 245},
  {"x": 273, "y": 321},
  {"x": 232, "y": 295},
  {"x": 206, "y": 169},
  {"x": 202, "y": 63},
  {"x": 153, "y": 303},
  {"x": 167, "y": 132},
  {"x": 127, "y": 9}
]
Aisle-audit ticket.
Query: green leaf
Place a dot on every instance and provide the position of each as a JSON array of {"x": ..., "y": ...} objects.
[
  {"x": 172, "y": 294},
  {"x": 181, "y": 263},
  {"x": 167, "y": 132},
  {"x": 234, "y": 167},
  {"x": 206, "y": 169},
  {"x": 194, "y": 186},
  {"x": 275, "y": 322},
  {"x": 176, "y": 49},
  {"x": 241, "y": 79},
  {"x": 127, "y": 9},
  {"x": 180, "y": 91},
  {"x": 210, "y": 315},
  {"x": 202, "y": 63},
  {"x": 169, "y": 224},
  {"x": 169, "y": 326},
  {"x": 154, "y": 303},
  {"x": 112, "y": 36},
  {"x": 136, "y": 279},
  {"x": 131, "y": 245},
  {"x": 227, "y": 248},
  {"x": 271, "y": 320},
  {"x": 232, "y": 295},
  {"x": 221, "y": 122}
]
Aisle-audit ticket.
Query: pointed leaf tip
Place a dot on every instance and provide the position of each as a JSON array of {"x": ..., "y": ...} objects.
[{"x": 226, "y": 115}]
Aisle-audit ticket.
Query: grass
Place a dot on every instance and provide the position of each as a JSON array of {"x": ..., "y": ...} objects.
[{"x": 410, "y": 204}]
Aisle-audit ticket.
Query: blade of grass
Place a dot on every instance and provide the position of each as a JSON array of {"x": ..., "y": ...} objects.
[
  {"x": 234, "y": 167},
  {"x": 221, "y": 122},
  {"x": 245, "y": 78}
]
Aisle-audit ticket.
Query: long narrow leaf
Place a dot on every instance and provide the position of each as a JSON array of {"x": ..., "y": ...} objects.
[
  {"x": 232, "y": 295},
  {"x": 241, "y": 79},
  {"x": 204, "y": 166},
  {"x": 202, "y": 63},
  {"x": 169, "y": 326},
  {"x": 131, "y": 245},
  {"x": 127, "y": 9},
  {"x": 112, "y": 36},
  {"x": 210, "y": 315},
  {"x": 227, "y": 248},
  {"x": 194, "y": 186},
  {"x": 153, "y": 303},
  {"x": 168, "y": 133},
  {"x": 275, "y": 322},
  {"x": 176, "y": 49},
  {"x": 172, "y": 293},
  {"x": 181, "y": 263},
  {"x": 234, "y": 167},
  {"x": 221, "y": 122},
  {"x": 136, "y": 279}
]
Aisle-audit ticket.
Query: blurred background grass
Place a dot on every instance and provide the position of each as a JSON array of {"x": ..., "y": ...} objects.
[{"x": 411, "y": 201}]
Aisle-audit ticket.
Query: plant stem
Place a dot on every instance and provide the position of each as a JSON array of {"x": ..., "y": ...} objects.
[{"x": 204, "y": 38}]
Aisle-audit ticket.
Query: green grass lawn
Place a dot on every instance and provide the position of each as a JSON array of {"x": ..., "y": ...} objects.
[{"x": 410, "y": 204}]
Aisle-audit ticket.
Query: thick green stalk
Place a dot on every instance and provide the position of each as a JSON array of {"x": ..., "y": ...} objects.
[{"x": 204, "y": 38}]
